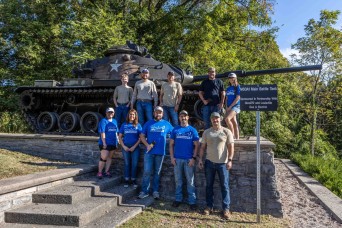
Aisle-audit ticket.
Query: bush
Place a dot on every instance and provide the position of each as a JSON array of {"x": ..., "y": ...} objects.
[
  {"x": 325, "y": 169},
  {"x": 13, "y": 122}
]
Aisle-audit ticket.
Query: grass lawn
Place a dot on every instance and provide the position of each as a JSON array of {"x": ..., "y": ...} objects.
[
  {"x": 162, "y": 214},
  {"x": 16, "y": 164}
]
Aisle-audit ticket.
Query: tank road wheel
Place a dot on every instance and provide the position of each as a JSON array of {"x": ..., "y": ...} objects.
[
  {"x": 46, "y": 121},
  {"x": 198, "y": 109},
  {"x": 90, "y": 121},
  {"x": 28, "y": 101},
  {"x": 69, "y": 121}
]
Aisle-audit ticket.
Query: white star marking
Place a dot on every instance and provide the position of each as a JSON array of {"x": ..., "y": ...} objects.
[{"x": 115, "y": 66}]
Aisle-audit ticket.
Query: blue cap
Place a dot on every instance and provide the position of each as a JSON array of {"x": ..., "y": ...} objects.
[{"x": 145, "y": 71}]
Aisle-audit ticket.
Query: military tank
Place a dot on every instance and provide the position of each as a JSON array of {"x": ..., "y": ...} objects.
[{"x": 75, "y": 106}]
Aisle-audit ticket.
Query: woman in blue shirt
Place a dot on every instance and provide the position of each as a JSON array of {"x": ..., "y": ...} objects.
[
  {"x": 129, "y": 140},
  {"x": 108, "y": 141},
  {"x": 233, "y": 104}
]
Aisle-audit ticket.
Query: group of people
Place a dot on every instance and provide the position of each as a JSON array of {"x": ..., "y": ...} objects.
[{"x": 184, "y": 146}]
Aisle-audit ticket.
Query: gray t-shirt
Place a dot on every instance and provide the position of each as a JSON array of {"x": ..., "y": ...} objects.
[
  {"x": 123, "y": 94},
  {"x": 145, "y": 90},
  {"x": 217, "y": 142},
  {"x": 171, "y": 93}
]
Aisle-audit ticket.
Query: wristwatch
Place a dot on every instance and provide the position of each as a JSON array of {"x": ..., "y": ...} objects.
[
  {"x": 229, "y": 160},
  {"x": 194, "y": 158}
]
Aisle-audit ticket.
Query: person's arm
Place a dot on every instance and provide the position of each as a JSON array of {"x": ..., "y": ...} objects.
[
  {"x": 154, "y": 94},
  {"x": 135, "y": 145},
  {"x": 171, "y": 145},
  {"x": 223, "y": 96},
  {"x": 130, "y": 97},
  {"x": 179, "y": 97},
  {"x": 143, "y": 140},
  {"x": 201, "y": 154},
  {"x": 230, "y": 148},
  {"x": 194, "y": 154},
  {"x": 161, "y": 96},
  {"x": 134, "y": 96},
  {"x": 115, "y": 95},
  {"x": 122, "y": 143},
  {"x": 201, "y": 96},
  {"x": 103, "y": 138}
]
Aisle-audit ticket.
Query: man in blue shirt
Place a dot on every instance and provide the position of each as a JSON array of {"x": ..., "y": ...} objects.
[
  {"x": 183, "y": 153},
  {"x": 153, "y": 136}
]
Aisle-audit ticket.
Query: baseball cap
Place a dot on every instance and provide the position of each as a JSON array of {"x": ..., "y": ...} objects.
[
  {"x": 158, "y": 108},
  {"x": 215, "y": 114},
  {"x": 145, "y": 71},
  {"x": 110, "y": 110},
  {"x": 232, "y": 75},
  {"x": 183, "y": 112},
  {"x": 211, "y": 69}
]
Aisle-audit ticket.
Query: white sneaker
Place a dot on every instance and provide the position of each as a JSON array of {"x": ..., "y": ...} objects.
[{"x": 142, "y": 195}]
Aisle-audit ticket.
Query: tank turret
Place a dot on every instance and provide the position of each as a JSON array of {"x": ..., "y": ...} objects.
[{"x": 75, "y": 106}]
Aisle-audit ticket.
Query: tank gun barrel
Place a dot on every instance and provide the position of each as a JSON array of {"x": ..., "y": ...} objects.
[{"x": 242, "y": 73}]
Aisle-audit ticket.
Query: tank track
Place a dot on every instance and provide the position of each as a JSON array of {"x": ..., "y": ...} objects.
[{"x": 76, "y": 100}]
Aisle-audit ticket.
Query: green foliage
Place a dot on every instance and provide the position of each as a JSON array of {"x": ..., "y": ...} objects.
[
  {"x": 326, "y": 169},
  {"x": 13, "y": 122},
  {"x": 321, "y": 45}
]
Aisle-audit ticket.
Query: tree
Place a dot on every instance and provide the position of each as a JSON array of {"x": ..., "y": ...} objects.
[{"x": 322, "y": 45}]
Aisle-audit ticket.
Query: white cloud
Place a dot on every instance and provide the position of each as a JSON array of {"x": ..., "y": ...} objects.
[{"x": 287, "y": 52}]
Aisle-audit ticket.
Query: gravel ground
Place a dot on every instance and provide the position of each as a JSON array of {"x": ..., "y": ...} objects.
[{"x": 299, "y": 205}]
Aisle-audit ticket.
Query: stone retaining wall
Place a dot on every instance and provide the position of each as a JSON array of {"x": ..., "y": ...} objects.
[{"x": 84, "y": 149}]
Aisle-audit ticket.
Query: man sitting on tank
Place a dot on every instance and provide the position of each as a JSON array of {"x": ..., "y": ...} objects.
[{"x": 144, "y": 93}]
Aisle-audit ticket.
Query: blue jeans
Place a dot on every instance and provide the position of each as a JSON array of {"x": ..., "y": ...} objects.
[
  {"x": 131, "y": 163},
  {"x": 144, "y": 109},
  {"x": 206, "y": 111},
  {"x": 121, "y": 113},
  {"x": 210, "y": 170},
  {"x": 152, "y": 165},
  {"x": 180, "y": 168},
  {"x": 170, "y": 115}
]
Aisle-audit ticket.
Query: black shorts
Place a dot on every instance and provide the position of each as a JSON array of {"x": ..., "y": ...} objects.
[{"x": 109, "y": 147}]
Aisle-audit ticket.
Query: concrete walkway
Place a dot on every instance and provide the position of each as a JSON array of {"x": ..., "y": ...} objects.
[{"x": 328, "y": 200}]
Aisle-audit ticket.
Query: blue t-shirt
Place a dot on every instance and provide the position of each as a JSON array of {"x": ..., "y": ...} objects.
[
  {"x": 231, "y": 93},
  {"x": 130, "y": 133},
  {"x": 156, "y": 131},
  {"x": 110, "y": 129},
  {"x": 184, "y": 138},
  {"x": 212, "y": 90}
]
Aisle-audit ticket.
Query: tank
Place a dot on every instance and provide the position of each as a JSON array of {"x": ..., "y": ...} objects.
[{"x": 75, "y": 106}]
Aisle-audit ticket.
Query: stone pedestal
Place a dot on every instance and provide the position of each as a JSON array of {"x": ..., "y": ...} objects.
[{"x": 84, "y": 149}]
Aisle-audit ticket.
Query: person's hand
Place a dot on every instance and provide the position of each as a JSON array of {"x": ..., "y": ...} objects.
[
  {"x": 173, "y": 161},
  {"x": 191, "y": 162},
  {"x": 176, "y": 107},
  {"x": 229, "y": 165},
  {"x": 220, "y": 106},
  {"x": 200, "y": 164}
]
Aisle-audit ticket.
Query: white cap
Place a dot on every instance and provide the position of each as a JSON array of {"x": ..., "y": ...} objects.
[
  {"x": 232, "y": 75},
  {"x": 110, "y": 109}
]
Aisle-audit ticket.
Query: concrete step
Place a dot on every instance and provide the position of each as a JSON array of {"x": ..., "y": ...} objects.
[
  {"x": 81, "y": 189},
  {"x": 77, "y": 214},
  {"x": 104, "y": 208}
]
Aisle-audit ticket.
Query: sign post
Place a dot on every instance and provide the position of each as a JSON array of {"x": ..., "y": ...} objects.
[{"x": 258, "y": 98}]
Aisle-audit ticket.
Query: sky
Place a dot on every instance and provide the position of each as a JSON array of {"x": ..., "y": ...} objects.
[{"x": 291, "y": 16}]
